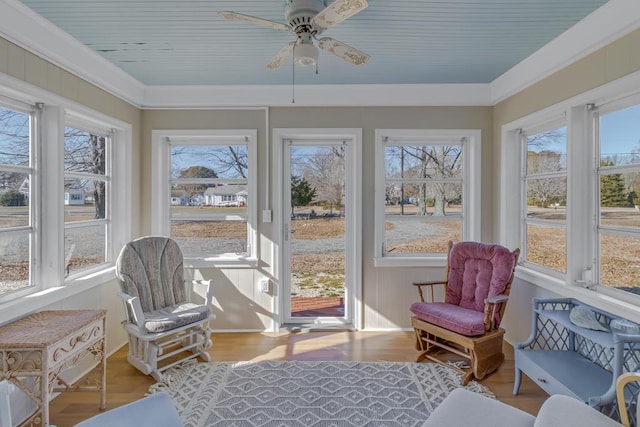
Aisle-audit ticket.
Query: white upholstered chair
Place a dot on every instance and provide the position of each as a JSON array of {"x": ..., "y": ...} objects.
[
  {"x": 156, "y": 410},
  {"x": 464, "y": 408},
  {"x": 164, "y": 326}
]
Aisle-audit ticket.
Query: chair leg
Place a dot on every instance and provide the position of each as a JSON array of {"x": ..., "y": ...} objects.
[
  {"x": 420, "y": 342},
  {"x": 486, "y": 354},
  {"x": 516, "y": 381}
]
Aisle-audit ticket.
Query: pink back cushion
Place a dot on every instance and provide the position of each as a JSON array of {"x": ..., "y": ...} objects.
[{"x": 477, "y": 271}]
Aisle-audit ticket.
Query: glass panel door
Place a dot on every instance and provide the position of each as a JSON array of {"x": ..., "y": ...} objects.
[{"x": 315, "y": 242}]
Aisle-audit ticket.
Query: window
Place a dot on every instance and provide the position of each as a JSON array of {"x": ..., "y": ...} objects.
[
  {"x": 544, "y": 244},
  {"x": 577, "y": 199},
  {"x": 427, "y": 181},
  {"x": 618, "y": 172},
  {"x": 16, "y": 207},
  {"x": 86, "y": 210},
  {"x": 211, "y": 174},
  {"x": 59, "y": 178}
]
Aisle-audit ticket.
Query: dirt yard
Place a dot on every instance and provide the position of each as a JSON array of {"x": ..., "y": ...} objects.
[{"x": 621, "y": 255}]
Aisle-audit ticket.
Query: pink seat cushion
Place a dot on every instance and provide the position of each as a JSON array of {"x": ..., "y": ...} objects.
[
  {"x": 476, "y": 271},
  {"x": 451, "y": 317}
]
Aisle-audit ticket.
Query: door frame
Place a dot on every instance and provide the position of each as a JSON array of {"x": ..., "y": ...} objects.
[{"x": 353, "y": 216}]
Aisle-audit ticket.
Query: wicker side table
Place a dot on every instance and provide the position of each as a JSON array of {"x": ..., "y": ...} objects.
[{"x": 36, "y": 349}]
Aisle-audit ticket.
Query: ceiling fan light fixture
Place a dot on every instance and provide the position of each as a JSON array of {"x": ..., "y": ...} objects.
[{"x": 305, "y": 54}]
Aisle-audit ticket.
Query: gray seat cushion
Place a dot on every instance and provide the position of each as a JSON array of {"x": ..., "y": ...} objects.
[
  {"x": 464, "y": 408},
  {"x": 559, "y": 410},
  {"x": 156, "y": 410},
  {"x": 175, "y": 316}
]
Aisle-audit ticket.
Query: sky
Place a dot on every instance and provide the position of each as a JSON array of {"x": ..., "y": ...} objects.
[{"x": 620, "y": 131}]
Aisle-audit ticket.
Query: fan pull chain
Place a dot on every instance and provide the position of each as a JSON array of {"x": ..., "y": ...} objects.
[{"x": 293, "y": 76}]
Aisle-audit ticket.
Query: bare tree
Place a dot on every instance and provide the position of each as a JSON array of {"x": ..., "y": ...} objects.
[
  {"x": 85, "y": 152},
  {"x": 98, "y": 150},
  {"x": 547, "y": 190},
  {"x": 325, "y": 172},
  {"x": 546, "y": 154},
  {"x": 433, "y": 162},
  {"x": 14, "y": 146},
  {"x": 226, "y": 161}
]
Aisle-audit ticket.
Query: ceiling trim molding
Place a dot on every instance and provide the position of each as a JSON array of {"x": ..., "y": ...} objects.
[
  {"x": 610, "y": 22},
  {"x": 27, "y": 29},
  {"x": 316, "y": 95}
]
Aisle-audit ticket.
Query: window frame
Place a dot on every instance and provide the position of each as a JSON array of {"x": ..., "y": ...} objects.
[
  {"x": 598, "y": 172},
  {"x": 48, "y": 281},
  {"x": 583, "y": 197},
  {"x": 33, "y": 112},
  {"x": 471, "y": 142},
  {"x": 81, "y": 123},
  {"x": 537, "y": 128},
  {"x": 161, "y": 200}
]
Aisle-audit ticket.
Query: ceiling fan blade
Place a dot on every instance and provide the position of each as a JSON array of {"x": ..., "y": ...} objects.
[
  {"x": 337, "y": 12},
  {"x": 342, "y": 50},
  {"x": 280, "y": 57},
  {"x": 234, "y": 16}
]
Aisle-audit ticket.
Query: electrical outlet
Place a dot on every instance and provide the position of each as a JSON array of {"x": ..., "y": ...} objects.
[{"x": 264, "y": 286}]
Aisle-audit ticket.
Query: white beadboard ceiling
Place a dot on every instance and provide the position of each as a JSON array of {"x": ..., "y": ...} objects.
[{"x": 184, "y": 42}]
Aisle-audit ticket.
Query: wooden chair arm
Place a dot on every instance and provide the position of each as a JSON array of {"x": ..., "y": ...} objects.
[
  {"x": 496, "y": 299},
  {"x": 491, "y": 308},
  {"x": 438, "y": 282},
  {"x": 431, "y": 284},
  {"x": 621, "y": 382}
]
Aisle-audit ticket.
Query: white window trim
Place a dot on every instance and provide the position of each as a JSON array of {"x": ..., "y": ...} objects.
[
  {"x": 51, "y": 286},
  {"x": 87, "y": 124},
  {"x": 472, "y": 184},
  {"x": 605, "y": 108},
  {"x": 353, "y": 225},
  {"x": 539, "y": 127},
  {"x": 161, "y": 206},
  {"x": 581, "y": 200},
  {"x": 34, "y": 202}
]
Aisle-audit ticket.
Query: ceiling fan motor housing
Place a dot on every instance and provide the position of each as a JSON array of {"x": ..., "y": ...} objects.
[{"x": 299, "y": 14}]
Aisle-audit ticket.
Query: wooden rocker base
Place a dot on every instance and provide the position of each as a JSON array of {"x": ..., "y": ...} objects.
[{"x": 484, "y": 352}]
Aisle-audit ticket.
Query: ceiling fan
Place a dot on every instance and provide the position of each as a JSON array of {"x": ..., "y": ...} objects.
[{"x": 307, "y": 19}]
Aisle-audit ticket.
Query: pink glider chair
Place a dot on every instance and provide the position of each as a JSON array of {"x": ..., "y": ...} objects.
[{"x": 467, "y": 323}]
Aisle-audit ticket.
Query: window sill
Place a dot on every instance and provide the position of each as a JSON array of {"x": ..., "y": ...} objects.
[
  {"x": 600, "y": 300},
  {"x": 220, "y": 262},
  {"x": 36, "y": 301},
  {"x": 407, "y": 261}
]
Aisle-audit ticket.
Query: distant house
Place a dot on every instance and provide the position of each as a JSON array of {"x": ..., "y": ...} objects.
[
  {"x": 197, "y": 199},
  {"x": 179, "y": 198},
  {"x": 226, "y": 195},
  {"x": 74, "y": 196}
]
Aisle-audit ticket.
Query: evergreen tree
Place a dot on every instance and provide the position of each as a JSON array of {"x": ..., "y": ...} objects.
[
  {"x": 612, "y": 191},
  {"x": 12, "y": 198},
  {"x": 301, "y": 192}
]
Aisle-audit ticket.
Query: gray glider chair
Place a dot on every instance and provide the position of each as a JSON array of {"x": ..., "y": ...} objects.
[{"x": 165, "y": 328}]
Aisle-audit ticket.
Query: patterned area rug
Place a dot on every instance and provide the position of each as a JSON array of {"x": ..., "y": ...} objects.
[{"x": 303, "y": 393}]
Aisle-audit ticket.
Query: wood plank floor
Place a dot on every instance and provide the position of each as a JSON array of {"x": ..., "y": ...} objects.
[{"x": 126, "y": 384}]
